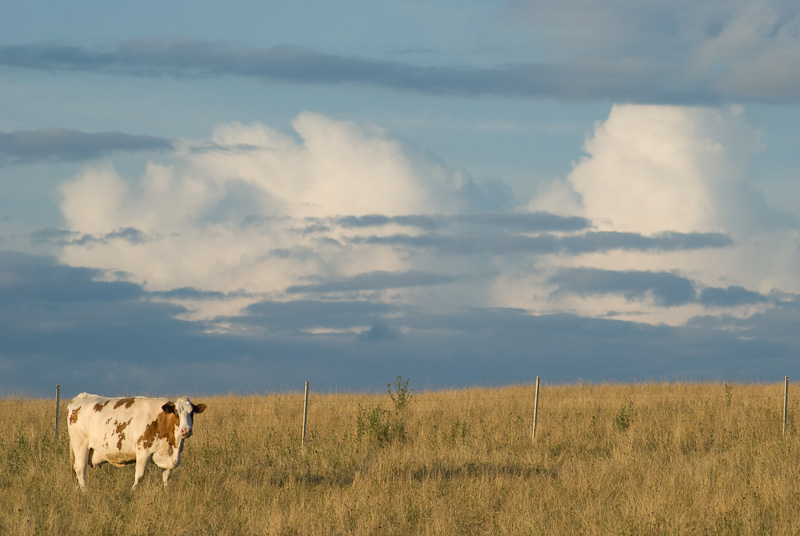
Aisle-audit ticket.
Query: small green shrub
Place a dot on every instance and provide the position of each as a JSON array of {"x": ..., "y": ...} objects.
[
  {"x": 373, "y": 424},
  {"x": 380, "y": 425},
  {"x": 622, "y": 420},
  {"x": 401, "y": 396},
  {"x": 459, "y": 430}
]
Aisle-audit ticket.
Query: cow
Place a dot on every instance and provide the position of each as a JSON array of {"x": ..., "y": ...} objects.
[{"x": 122, "y": 431}]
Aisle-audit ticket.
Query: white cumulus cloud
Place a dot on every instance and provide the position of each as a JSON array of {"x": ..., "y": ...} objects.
[
  {"x": 654, "y": 169},
  {"x": 657, "y": 168},
  {"x": 245, "y": 211},
  {"x": 253, "y": 213}
]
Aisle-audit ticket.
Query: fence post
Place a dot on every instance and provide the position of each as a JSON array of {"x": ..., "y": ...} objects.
[
  {"x": 785, "y": 401},
  {"x": 58, "y": 404},
  {"x": 305, "y": 415},
  {"x": 535, "y": 411}
]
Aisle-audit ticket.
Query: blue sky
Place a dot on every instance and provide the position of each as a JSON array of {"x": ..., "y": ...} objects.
[{"x": 208, "y": 198}]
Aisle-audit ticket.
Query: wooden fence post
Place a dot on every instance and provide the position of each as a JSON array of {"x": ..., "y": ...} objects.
[
  {"x": 58, "y": 404},
  {"x": 785, "y": 401},
  {"x": 535, "y": 411},
  {"x": 305, "y": 415}
]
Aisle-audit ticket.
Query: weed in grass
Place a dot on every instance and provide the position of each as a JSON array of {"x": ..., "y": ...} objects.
[
  {"x": 401, "y": 396},
  {"x": 622, "y": 420},
  {"x": 372, "y": 424}
]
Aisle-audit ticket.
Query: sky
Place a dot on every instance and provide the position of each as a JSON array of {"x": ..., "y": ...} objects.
[{"x": 198, "y": 198}]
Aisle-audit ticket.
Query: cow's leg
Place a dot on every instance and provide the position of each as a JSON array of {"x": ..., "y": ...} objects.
[
  {"x": 165, "y": 476},
  {"x": 81, "y": 454},
  {"x": 141, "y": 463}
]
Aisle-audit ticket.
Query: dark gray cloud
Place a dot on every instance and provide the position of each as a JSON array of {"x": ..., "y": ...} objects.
[
  {"x": 210, "y": 147},
  {"x": 610, "y": 79},
  {"x": 51, "y": 235},
  {"x": 27, "y": 277},
  {"x": 128, "y": 234},
  {"x": 60, "y": 324},
  {"x": 190, "y": 293},
  {"x": 590, "y": 242},
  {"x": 66, "y": 145},
  {"x": 379, "y": 332},
  {"x": 730, "y": 297},
  {"x": 428, "y": 223},
  {"x": 525, "y": 222},
  {"x": 61, "y": 237},
  {"x": 373, "y": 281},
  {"x": 665, "y": 288}
]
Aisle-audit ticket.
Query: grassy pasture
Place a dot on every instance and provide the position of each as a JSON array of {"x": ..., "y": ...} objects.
[{"x": 658, "y": 458}]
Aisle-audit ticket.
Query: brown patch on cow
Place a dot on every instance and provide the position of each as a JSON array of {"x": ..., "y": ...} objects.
[
  {"x": 121, "y": 432},
  {"x": 73, "y": 417},
  {"x": 161, "y": 428},
  {"x": 127, "y": 401},
  {"x": 98, "y": 407}
]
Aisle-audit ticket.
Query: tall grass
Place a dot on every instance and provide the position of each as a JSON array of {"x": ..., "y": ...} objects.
[{"x": 661, "y": 458}]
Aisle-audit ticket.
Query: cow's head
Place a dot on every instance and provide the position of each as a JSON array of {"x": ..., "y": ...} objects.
[{"x": 184, "y": 410}]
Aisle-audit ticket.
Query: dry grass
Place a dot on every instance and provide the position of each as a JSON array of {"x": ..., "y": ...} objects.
[{"x": 662, "y": 458}]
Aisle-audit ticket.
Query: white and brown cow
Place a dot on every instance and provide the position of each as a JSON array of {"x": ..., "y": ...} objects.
[{"x": 122, "y": 431}]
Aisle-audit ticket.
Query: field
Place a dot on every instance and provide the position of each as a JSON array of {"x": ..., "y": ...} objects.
[{"x": 655, "y": 458}]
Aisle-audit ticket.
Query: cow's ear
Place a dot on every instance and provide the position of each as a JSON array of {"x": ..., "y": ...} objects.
[
  {"x": 199, "y": 408},
  {"x": 169, "y": 407}
]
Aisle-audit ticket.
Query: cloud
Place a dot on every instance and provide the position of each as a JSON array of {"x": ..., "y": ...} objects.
[
  {"x": 379, "y": 332},
  {"x": 527, "y": 222},
  {"x": 127, "y": 234},
  {"x": 66, "y": 145},
  {"x": 549, "y": 244},
  {"x": 26, "y": 277},
  {"x": 75, "y": 316},
  {"x": 303, "y": 317},
  {"x": 666, "y": 289},
  {"x": 674, "y": 204},
  {"x": 291, "y": 64},
  {"x": 649, "y": 169},
  {"x": 258, "y": 211},
  {"x": 58, "y": 322},
  {"x": 530, "y": 222},
  {"x": 374, "y": 281},
  {"x": 258, "y": 220},
  {"x": 737, "y": 50},
  {"x": 746, "y": 52},
  {"x": 65, "y": 325},
  {"x": 730, "y": 297},
  {"x": 346, "y": 210},
  {"x": 655, "y": 168},
  {"x": 428, "y": 223},
  {"x": 617, "y": 61}
]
